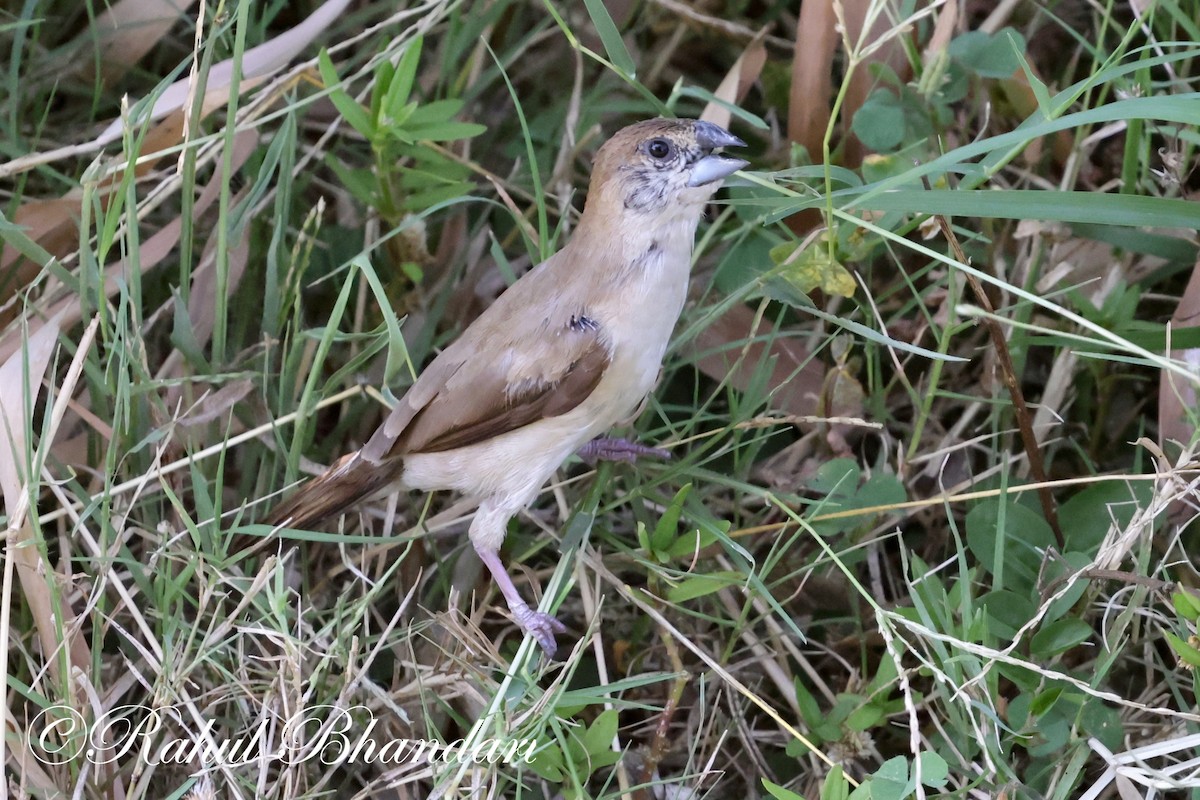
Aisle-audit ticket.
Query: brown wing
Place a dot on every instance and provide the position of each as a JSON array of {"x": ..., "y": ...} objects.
[
  {"x": 490, "y": 391},
  {"x": 457, "y": 401}
]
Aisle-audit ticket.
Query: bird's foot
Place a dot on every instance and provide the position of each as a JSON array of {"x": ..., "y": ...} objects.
[
  {"x": 540, "y": 625},
  {"x": 606, "y": 448}
]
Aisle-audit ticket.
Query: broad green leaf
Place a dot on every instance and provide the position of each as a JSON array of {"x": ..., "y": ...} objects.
[
  {"x": 879, "y": 122},
  {"x": 987, "y": 54},
  {"x": 1105, "y": 723},
  {"x": 1068, "y": 564},
  {"x": 840, "y": 475},
  {"x": 599, "y": 736},
  {"x": 1013, "y": 548},
  {"x": 810, "y": 710},
  {"x": 701, "y": 585},
  {"x": 780, "y": 793},
  {"x": 1044, "y": 701},
  {"x": 548, "y": 763},
  {"x": 1060, "y": 636},
  {"x": 1007, "y": 610},
  {"x": 686, "y": 544},
  {"x": 935, "y": 772},
  {"x": 865, "y": 717}
]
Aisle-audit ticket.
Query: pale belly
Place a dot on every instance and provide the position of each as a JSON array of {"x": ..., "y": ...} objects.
[
  {"x": 515, "y": 465},
  {"x": 510, "y": 469}
]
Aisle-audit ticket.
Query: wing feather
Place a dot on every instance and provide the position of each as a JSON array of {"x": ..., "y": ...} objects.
[{"x": 469, "y": 399}]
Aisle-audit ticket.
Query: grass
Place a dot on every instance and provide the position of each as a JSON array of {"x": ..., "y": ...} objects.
[{"x": 849, "y": 574}]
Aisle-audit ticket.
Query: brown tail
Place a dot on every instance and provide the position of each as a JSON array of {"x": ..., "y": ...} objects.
[{"x": 351, "y": 478}]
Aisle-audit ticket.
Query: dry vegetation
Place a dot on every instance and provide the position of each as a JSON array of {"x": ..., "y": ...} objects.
[{"x": 928, "y": 528}]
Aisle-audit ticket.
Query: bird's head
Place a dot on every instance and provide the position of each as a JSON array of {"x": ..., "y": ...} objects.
[{"x": 660, "y": 169}]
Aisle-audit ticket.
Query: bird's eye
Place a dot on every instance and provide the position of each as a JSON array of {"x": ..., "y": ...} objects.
[{"x": 659, "y": 149}]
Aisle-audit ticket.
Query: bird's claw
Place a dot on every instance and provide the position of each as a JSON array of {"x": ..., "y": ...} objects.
[
  {"x": 605, "y": 448},
  {"x": 540, "y": 625}
]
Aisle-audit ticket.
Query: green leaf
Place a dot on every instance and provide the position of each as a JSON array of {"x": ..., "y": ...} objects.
[
  {"x": 1068, "y": 564},
  {"x": 610, "y": 37},
  {"x": 643, "y": 537},
  {"x": 835, "y": 787},
  {"x": 989, "y": 55},
  {"x": 894, "y": 769},
  {"x": 1044, "y": 701},
  {"x": 1087, "y": 515},
  {"x": 840, "y": 476},
  {"x": 579, "y": 525},
  {"x": 15, "y": 235},
  {"x": 360, "y": 182},
  {"x": 701, "y": 585},
  {"x": 667, "y": 528},
  {"x": 1040, "y": 92},
  {"x": 782, "y": 290},
  {"x": 351, "y": 111},
  {"x": 436, "y": 112},
  {"x": 780, "y": 793},
  {"x": 599, "y": 736},
  {"x": 1187, "y": 605},
  {"x": 1060, "y": 636},
  {"x": 876, "y": 166},
  {"x": 813, "y": 268},
  {"x": 1187, "y": 653},
  {"x": 935, "y": 772},
  {"x": 1039, "y": 204},
  {"x": 1055, "y": 731},
  {"x": 879, "y": 122},
  {"x": 383, "y": 79},
  {"x": 810, "y": 710},
  {"x": 450, "y": 131},
  {"x": 548, "y": 763},
  {"x": 401, "y": 84},
  {"x": 881, "y": 489},
  {"x": 1013, "y": 547},
  {"x": 686, "y": 544},
  {"x": 1007, "y": 610},
  {"x": 393, "y": 123},
  {"x": 864, "y": 717},
  {"x": 1105, "y": 723},
  {"x": 397, "y": 352}
]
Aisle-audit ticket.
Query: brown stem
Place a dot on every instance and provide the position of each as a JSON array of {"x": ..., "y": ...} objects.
[{"x": 1008, "y": 373}]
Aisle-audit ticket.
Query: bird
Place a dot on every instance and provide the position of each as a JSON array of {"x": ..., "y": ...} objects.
[{"x": 568, "y": 351}]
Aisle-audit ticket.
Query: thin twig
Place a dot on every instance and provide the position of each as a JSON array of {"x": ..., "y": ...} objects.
[{"x": 1009, "y": 375}]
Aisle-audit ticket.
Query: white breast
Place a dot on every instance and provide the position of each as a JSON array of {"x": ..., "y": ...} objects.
[{"x": 637, "y": 320}]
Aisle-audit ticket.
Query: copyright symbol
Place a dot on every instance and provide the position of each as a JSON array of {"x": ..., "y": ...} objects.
[{"x": 59, "y": 734}]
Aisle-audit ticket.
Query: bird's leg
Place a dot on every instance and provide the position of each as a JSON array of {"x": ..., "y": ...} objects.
[
  {"x": 487, "y": 534},
  {"x": 607, "y": 448},
  {"x": 539, "y": 625}
]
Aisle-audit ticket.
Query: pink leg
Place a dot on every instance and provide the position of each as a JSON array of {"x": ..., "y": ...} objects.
[
  {"x": 605, "y": 448},
  {"x": 537, "y": 624}
]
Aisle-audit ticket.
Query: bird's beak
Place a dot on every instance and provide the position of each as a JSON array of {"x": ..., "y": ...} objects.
[{"x": 715, "y": 166}]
